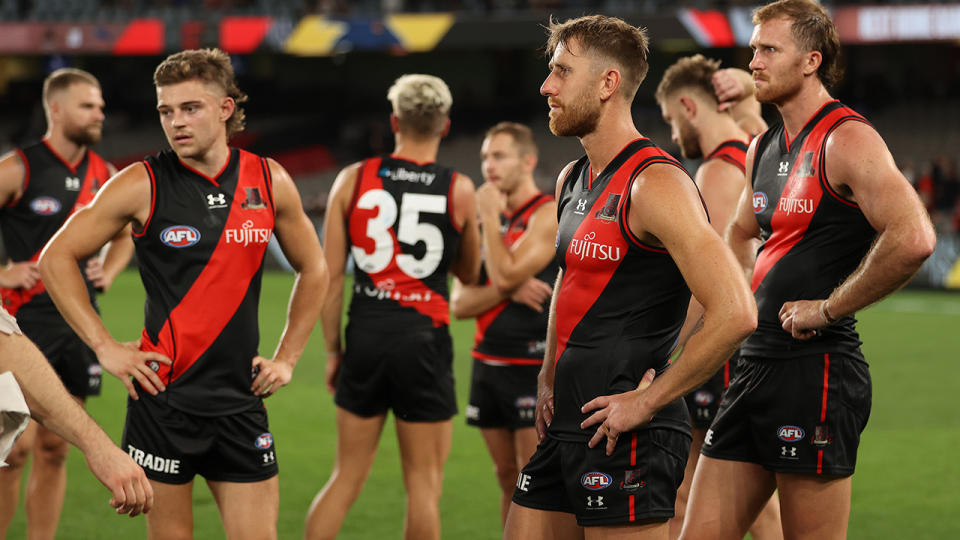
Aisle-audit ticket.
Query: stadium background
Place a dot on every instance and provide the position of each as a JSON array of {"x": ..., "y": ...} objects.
[{"x": 317, "y": 73}]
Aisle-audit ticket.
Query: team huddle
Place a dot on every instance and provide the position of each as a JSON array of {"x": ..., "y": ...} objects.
[{"x": 656, "y": 355}]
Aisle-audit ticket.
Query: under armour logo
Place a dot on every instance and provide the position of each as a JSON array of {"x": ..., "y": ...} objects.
[
  {"x": 72, "y": 183},
  {"x": 581, "y": 205},
  {"x": 268, "y": 458},
  {"x": 784, "y": 167},
  {"x": 598, "y": 501},
  {"x": 791, "y": 452},
  {"x": 214, "y": 201}
]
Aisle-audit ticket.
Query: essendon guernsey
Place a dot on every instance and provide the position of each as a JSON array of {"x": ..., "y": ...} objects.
[
  {"x": 52, "y": 191},
  {"x": 813, "y": 238},
  {"x": 403, "y": 241},
  {"x": 201, "y": 259},
  {"x": 621, "y": 302},
  {"x": 733, "y": 152},
  {"x": 512, "y": 333}
]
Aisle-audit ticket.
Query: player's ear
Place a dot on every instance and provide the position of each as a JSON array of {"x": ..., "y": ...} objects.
[
  {"x": 610, "y": 83},
  {"x": 394, "y": 123},
  {"x": 446, "y": 128},
  {"x": 689, "y": 106},
  {"x": 227, "y": 106},
  {"x": 814, "y": 60},
  {"x": 530, "y": 162}
]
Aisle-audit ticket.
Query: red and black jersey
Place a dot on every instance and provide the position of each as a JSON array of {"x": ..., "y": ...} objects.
[
  {"x": 621, "y": 303},
  {"x": 733, "y": 152},
  {"x": 403, "y": 241},
  {"x": 813, "y": 238},
  {"x": 512, "y": 333},
  {"x": 201, "y": 259},
  {"x": 52, "y": 191}
]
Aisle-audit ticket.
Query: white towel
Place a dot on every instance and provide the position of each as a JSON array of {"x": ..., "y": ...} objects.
[{"x": 14, "y": 414}]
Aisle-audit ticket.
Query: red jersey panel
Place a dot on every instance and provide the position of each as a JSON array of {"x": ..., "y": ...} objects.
[
  {"x": 201, "y": 260},
  {"x": 733, "y": 152},
  {"x": 53, "y": 191},
  {"x": 621, "y": 302},
  {"x": 512, "y": 333},
  {"x": 403, "y": 241},
  {"x": 812, "y": 237}
]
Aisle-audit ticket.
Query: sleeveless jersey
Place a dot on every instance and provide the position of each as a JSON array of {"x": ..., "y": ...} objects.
[
  {"x": 812, "y": 238},
  {"x": 733, "y": 152},
  {"x": 201, "y": 259},
  {"x": 621, "y": 302},
  {"x": 52, "y": 191},
  {"x": 512, "y": 333},
  {"x": 403, "y": 241}
]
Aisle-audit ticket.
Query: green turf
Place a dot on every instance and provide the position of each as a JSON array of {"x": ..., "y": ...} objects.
[{"x": 905, "y": 486}]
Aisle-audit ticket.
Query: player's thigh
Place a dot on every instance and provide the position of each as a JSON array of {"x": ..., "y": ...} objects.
[
  {"x": 725, "y": 498},
  {"x": 500, "y": 444},
  {"x": 525, "y": 523},
  {"x": 814, "y": 506},
  {"x": 525, "y": 443},
  {"x": 50, "y": 447},
  {"x": 424, "y": 446},
  {"x": 171, "y": 517},
  {"x": 248, "y": 510},
  {"x": 652, "y": 531},
  {"x": 21, "y": 450},
  {"x": 357, "y": 441}
]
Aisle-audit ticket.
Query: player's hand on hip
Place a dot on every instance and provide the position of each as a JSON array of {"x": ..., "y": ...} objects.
[
  {"x": 617, "y": 414},
  {"x": 131, "y": 492},
  {"x": 532, "y": 293},
  {"x": 271, "y": 375},
  {"x": 332, "y": 367},
  {"x": 544, "y": 415},
  {"x": 21, "y": 275},
  {"x": 125, "y": 360},
  {"x": 802, "y": 318}
]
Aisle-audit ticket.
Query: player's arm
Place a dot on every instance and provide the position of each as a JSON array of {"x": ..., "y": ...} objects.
[
  {"x": 468, "y": 301},
  {"x": 721, "y": 185},
  {"x": 23, "y": 274},
  {"x": 52, "y": 406},
  {"x": 743, "y": 232},
  {"x": 335, "y": 246},
  {"x": 298, "y": 240},
  {"x": 466, "y": 264},
  {"x": 658, "y": 195},
  {"x": 509, "y": 268},
  {"x": 859, "y": 167},
  {"x": 735, "y": 90},
  {"x": 114, "y": 257},
  {"x": 123, "y": 200}
]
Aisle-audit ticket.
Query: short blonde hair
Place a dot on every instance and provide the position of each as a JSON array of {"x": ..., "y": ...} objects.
[
  {"x": 421, "y": 103},
  {"x": 522, "y": 136},
  {"x": 62, "y": 79}
]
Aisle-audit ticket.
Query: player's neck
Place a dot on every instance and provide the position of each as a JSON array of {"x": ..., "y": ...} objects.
[
  {"x": 518, "y": 197},
  {"x": 210, "y": 163},
  {"x": 68, "y": 150},
  {"x": 718, "y": 130},
  {"x": 416, "y": 150},
  {"x": 799, "y": 109},
  {"x": 614, "y": 131}
]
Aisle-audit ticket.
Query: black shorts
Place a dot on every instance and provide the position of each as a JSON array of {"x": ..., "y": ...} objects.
[
  {"x": 637, "y": 484},
  {"x": 794, "y": 415},
  {"x": 502, "y": 396},
  {"x": 173, "y": 446},
  {"x": 705, "y": 400},
  {"x": 411, "y": 373},
  {"x": 75, "y": 363}
]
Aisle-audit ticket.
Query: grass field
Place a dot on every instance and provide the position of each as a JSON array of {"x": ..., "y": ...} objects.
[{"x": 906, "y": 485}]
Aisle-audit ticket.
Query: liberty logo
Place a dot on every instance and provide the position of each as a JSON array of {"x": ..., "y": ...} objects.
[
  {"x": 216, "y": 201},
  {"x": 254, "y": 200},
  {"x": 72, "y": 183},
  {"x": 609, "y": 210},
  {"x": 581, "y": 206}
]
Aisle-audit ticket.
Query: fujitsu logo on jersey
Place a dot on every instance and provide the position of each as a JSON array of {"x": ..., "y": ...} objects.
[
  {"x": 248, "y": 234},
  {"x": 401, "y": 174},
  {"x": 790, "y": 205},
  {"x": 594, "y": 250}
]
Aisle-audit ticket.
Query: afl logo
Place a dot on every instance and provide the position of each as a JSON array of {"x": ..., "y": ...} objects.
[
  {"x": 790, "y": 433},
  {"x": 180, "y": 236},
  {"x": 595, "y": 481},
  {"x": 45, "y": 206},
  {"x": 759, "y": 202},
  {"x": 703, "y": 398},
  {"x": 264, "y": 441}
]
